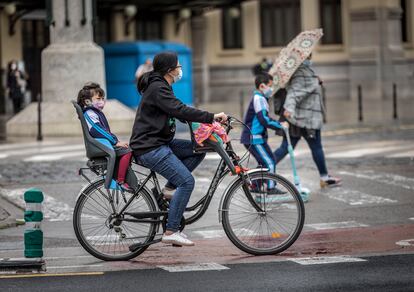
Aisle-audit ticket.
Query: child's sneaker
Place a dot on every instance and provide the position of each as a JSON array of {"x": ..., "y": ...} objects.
[
  {"x": 124, "y": 186},
  {"x": 331, "y": 182}
]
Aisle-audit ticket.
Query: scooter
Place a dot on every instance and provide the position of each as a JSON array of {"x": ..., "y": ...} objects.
[{"x": 304, "y": 192}]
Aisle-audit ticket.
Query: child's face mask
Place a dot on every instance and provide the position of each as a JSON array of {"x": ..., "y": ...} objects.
[
  {"x": 98, "y": 104},
  {"x": 267, "y": 91}
]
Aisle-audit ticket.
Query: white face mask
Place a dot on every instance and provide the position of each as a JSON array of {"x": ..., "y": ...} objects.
[
  {"x": 179, "y": 76},
  {"x": 268, "y": 91},
  {"x": 13, "y": 66}
]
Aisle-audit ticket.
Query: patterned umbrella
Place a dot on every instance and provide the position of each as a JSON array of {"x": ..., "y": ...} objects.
[{"x": 292, "y": 56}]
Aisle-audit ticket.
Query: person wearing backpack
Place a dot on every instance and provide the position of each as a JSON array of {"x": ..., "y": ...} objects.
[{"x": 303, "y": 108}]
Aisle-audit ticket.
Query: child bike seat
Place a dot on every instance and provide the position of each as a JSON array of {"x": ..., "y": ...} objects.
[{"x": 96, "y": 149}]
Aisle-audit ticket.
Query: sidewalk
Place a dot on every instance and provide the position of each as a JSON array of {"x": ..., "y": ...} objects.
[
  {"x": 9, "y": 213},
  {"x": 3, "y": 120}
]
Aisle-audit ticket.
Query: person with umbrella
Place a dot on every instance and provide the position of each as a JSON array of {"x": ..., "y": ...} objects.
[{"x": 303, "y": 107}]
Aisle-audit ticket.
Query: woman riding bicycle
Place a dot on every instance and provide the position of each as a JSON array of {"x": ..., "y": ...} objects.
[{"x": 153, "y": 142}]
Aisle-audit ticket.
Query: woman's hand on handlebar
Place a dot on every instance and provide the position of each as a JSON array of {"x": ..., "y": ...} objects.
[{"x": 220, "y": 117}]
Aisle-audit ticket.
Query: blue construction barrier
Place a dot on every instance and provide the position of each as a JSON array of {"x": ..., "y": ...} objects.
[{"x": 122, "y": 60}]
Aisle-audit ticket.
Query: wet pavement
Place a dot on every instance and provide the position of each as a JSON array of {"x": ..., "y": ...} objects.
[{"x": 372, "y": 213}]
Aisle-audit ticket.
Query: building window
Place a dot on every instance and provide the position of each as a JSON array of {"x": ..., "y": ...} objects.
[
  {"x": 35, "y": 37},
  {"x": 331, "y": 21},
  {"x": 102, "y": 30},
  {"x": 280, "y": 21},
  {"x": 231, "y": 27},
  {"x": 149, "y": 26},
  {"x": 404, "y": 22}
]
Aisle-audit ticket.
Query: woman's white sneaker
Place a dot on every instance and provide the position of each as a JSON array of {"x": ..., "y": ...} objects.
[{"x": 176, "y": 238}]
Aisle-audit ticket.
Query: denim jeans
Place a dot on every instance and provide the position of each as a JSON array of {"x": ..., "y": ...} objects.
[
  {"x": 175, "y": 162},
  {"x": 315, "y": 144}
]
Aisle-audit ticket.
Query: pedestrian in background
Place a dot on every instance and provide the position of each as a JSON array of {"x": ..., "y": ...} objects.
[
  {"x": 257, "y": 119},
  {"x": 16, "y": 83},
  {"x": 304, "y": 110},
  {"x": 143, "y": 68},
  {"x": 262, "y": 67}
]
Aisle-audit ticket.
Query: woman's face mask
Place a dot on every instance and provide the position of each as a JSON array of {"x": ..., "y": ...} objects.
[
  {"x": 13, "y": 66},
  {"x": 178, "y": 76},
  {"x": 307, "y": 62}
]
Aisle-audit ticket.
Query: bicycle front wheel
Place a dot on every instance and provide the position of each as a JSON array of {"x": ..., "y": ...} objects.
[
  {"x": 271, "y": 230},
  {"x": 102, "y": 231}
]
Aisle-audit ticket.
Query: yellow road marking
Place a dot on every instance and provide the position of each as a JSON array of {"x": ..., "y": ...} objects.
[{"x": 51, "y": 275}]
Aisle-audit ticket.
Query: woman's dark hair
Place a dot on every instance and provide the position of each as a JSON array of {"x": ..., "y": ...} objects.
[
  {"x": 262, "y": 78},
  {"x": 163, "y": 63},
  {"x": 87, "y": 92}
]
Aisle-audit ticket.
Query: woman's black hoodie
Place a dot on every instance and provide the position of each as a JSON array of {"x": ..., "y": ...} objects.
[{"x": 154, "y": 124}]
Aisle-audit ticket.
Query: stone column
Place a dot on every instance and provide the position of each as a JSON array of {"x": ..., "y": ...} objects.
[
  {"x": 200, "y": 62},
  {"x": 71, "y": 60},
  {"x": 376, "y": 52}
]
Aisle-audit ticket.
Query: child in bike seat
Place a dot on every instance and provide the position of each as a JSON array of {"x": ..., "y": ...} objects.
[
  {"x": 91, "y": 98},
  {"x": 258, "y": 120}
]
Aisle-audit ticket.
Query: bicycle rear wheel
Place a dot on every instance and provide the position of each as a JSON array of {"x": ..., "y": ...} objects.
[
  {"x": 102, "y": 232},
  {"x": 271, "y": 231}
]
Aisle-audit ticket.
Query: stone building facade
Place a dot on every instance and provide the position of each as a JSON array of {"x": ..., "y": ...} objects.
[{"x": 367, "y": 42}]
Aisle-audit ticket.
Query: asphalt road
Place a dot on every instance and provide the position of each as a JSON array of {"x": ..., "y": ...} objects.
[
  {"x": 372, "y": 213},
  {"x": 376, "y": 273}
]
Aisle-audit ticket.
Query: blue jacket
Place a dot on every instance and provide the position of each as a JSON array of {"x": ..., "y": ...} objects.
[
  {"x": 258, "y": 120},
  {"x": 98, "y": 124}
]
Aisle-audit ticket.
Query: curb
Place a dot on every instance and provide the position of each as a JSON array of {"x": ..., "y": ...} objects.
[{"x": 19, "y": 265}]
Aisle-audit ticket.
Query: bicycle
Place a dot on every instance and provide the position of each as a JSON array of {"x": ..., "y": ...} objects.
[{"x": 113, "y": 224}]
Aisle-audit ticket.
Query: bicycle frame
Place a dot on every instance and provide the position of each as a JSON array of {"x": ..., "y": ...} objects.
[{"x": 155, "y": 217}]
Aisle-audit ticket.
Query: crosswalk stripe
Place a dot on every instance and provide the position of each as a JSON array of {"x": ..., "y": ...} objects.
[
  {"x": 385, "y": 178},
  {"x": 402, "y": 154},
  {"x": 326, "y": 260},
  {"x": 208, "y": 234},
  {"x": 15, "y": 146},
  {"x": 335, "y": 225},
  {"x": 47, "y": 149},
  {"x": 194, "y": 267},
  {"x": 367, "y": 151},
  {"x": 53, "y": 157},
  {"x": 356, "y": 198}
]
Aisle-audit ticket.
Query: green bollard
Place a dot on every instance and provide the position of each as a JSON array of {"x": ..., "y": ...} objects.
[{"x": 33, "y": 216}]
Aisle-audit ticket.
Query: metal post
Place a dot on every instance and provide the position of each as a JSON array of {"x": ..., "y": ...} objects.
[
  {"x": 241, "y": 104},
  {"x": 360, "y": 117},
  {"x": 394, "y": 101},
  {"x": 39, "y": 118},
  {"x": 33, "y": 216}
]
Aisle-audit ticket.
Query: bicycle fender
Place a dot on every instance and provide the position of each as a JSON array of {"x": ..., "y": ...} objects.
[
  {"x": 85, "y": 187},
  {"x": 251, "y": 171}
]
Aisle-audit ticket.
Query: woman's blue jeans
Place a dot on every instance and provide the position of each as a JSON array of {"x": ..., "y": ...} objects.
[
  {"x": 175, "y": 161},
  {"x": 315, "y": 144}
]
